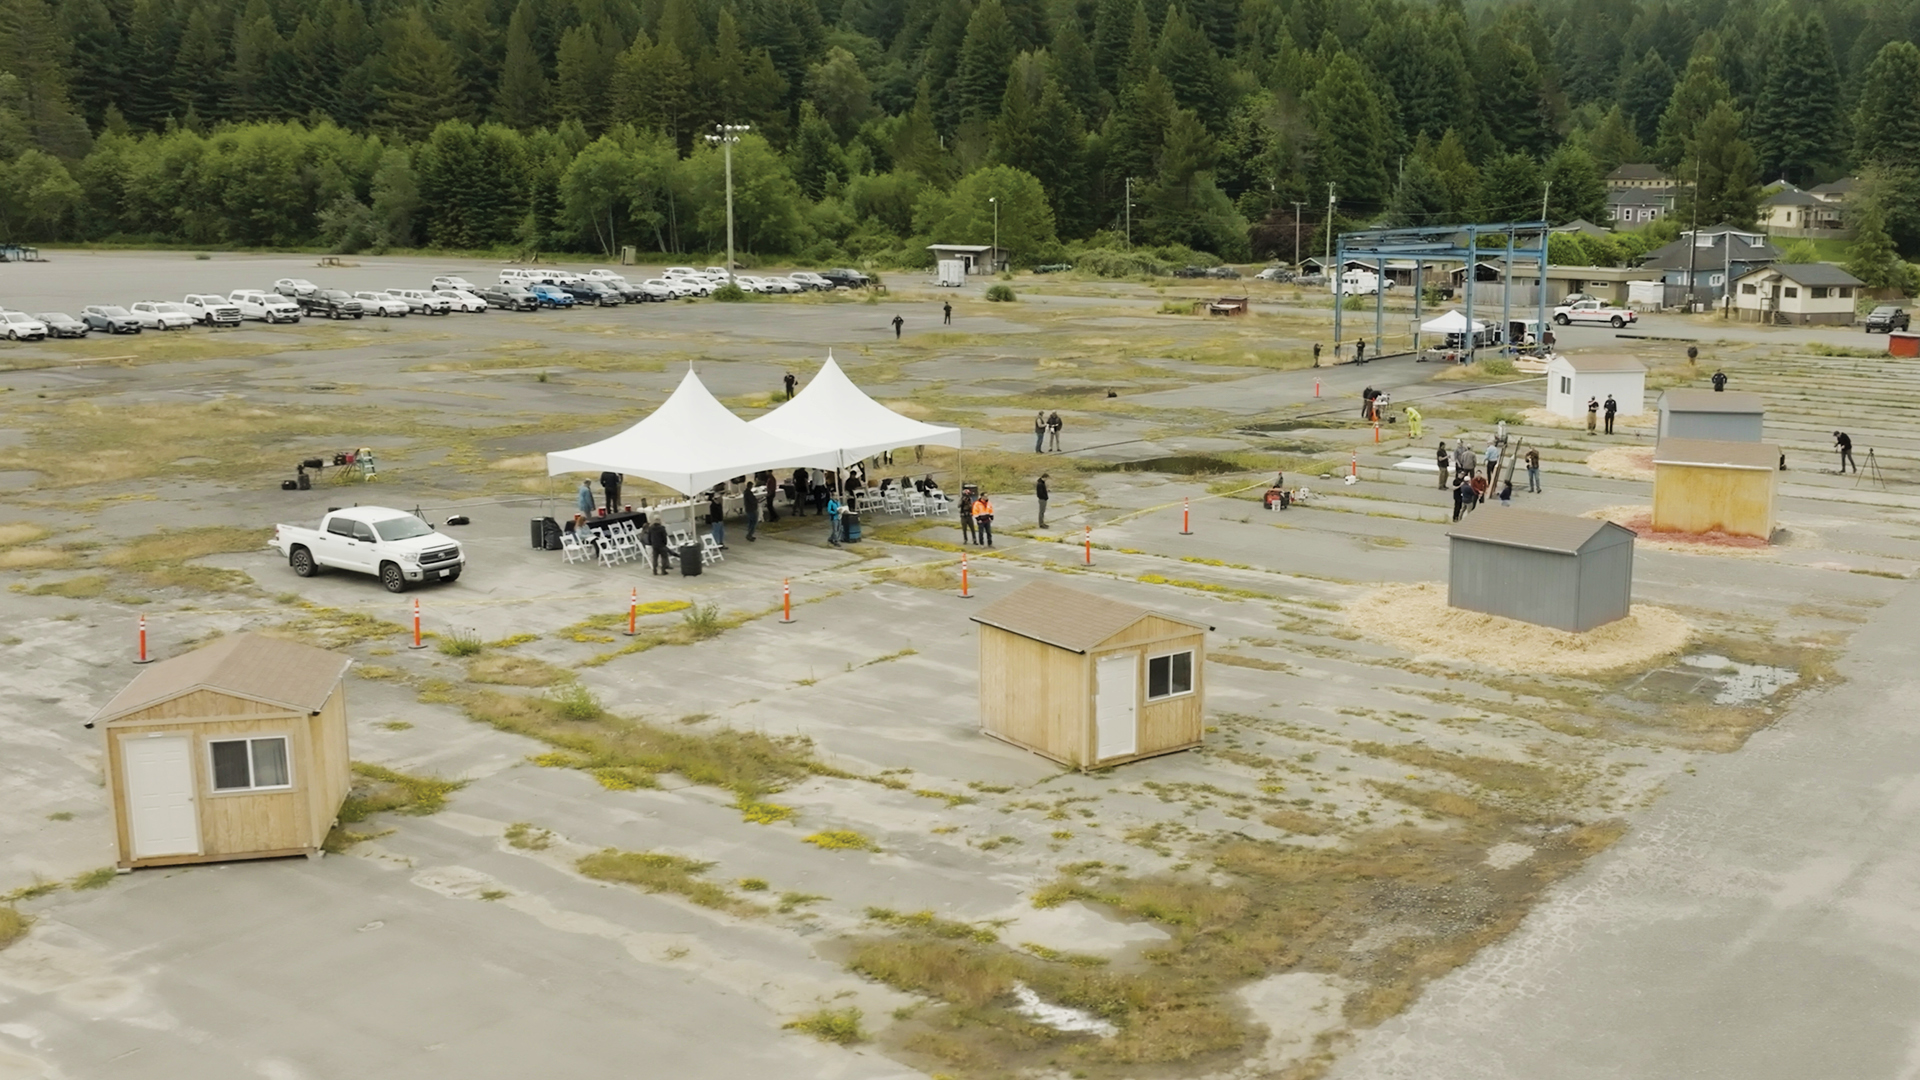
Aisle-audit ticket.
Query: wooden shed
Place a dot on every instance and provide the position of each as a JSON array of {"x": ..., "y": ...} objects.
[
  {"x": 1703, "y": 486},
  {"x": 1733, "y": 416},
  {"x": 1569, "y": 573},
  {"x": 1089, "y": 681},
  {"x": 237, "y": 750}
]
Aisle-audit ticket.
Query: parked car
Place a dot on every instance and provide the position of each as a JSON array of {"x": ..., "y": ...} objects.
[
  {"x": 584, "y": 291},
  {"x": 60, "y": 324},
  {"x": 675, "y": 288},
  {"x": 162, "y": 315},
  {"x": 422, "y": 301},
  {"x": 1275, "y": 273},
  {"x": 1190, "y": 272},
  {"x": 813, "y": 281},
  {"x": 462, "y": 300},
  {"x": 294, "y": 287},
  {"x": 331, "y": 304},
  {"x": 846, "y": 278},
  {"x": 510, "y": 297},
  {"x": 393, "y": 544},
  {"x": 550, "y": 296},
  {"x": 1886, "y": 318},
  {"x": 778, "y": 285},
  {"x": 21, "y": 326},
  {"x": 608, "y": 276},
  {"x": 387, "y": 307},
  {"x": 1053, "y": 268},
  {"x": 520, "y": 275},
  {"x": 452, "y": 283},
  {"x": 212, "y": 309},
  {"x": 265, "y": 306},
  {"x": 112, "y": 318},
  {"x": 1594, "y": 311}
]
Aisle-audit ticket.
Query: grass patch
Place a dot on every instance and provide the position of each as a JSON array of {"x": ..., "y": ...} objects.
[
  {"x": 93, "y": 879},
  {"x": 34, "y": 558},
  {"x": 657, "y": 872},
  {"x": 60, "y": 815},
  {"x": 527, "y": 837},
  {"x": 162, "y": 560},
  {"x": 376, "y": 790},
  {"x": 13, "y": 926},
  {"x": 333, "y": 628},
  {"x": 40, "y": 887},
  {"x": 697, "y": 623},
  {"x": 840, "y": 1026},
  {"x": 20, "y": 532},
  {"x": 756, "y": 812},
  {"x": 572, "y": 701},
  {"x": 926, "y": 922},
  {"x": 938, "y": 577},
  {"x": 460, "y": 643},
  {"x": 842, "y": 840},
  {"x": 508, "y": 669},
  {"x": 84, "y": 587},
  {"x": 1206, "y": 587}
]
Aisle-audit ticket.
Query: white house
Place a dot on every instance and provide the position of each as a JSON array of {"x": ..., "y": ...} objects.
[
  {"x": 1574, "y": 379},
  {"x": 1797, "y": 294}
]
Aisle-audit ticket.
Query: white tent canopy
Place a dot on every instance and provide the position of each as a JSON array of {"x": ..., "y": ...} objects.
[
  {"x": 1451, "y": 323},
  {"x": 690, "y": 443},
  {"x": 830, "y": 411}
]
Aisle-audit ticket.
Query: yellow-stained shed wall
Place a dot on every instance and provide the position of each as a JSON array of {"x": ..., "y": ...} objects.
[
  {"x": 1702, "y": 498},
  {"x": 1041, "y": 697},
  {"x": 251, "y": 824}
]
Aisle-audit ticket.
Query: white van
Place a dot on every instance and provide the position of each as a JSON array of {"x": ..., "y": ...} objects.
[{"x": 1360, "y": 283}]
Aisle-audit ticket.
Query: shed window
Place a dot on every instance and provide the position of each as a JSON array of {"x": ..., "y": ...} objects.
[
  {"x": 1170, "y": 675},
  {"x": 1566, "y": 384},
  {"x": 250, "y": 764}
]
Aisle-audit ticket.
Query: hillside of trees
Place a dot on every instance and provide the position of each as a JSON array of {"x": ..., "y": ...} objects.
[{"x": 878, "y": 125}]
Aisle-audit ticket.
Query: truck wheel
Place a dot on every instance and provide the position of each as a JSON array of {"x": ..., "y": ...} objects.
[
  {"x": 1617, "y": 322},
  {"x": 392, "y": 578},
  {"x": 303, "y": 563},
  {"x": 1562, "y": 319}
]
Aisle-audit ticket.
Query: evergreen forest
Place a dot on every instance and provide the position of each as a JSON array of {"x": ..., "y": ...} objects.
[{"x": 1223, "y": 127}]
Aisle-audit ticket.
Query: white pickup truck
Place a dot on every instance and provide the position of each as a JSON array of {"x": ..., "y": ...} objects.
[
  {"x": 392, "y": 544},
  {"x": 1594, "y": 311}
]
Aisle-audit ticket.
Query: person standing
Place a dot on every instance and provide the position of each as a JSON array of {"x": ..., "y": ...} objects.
[
  {"x": 1360, "y": 351},
  {"x": 1040, "y": 496},
  {"x": 1844, "y": 443},
  {"x": 610, "y": 483},
  {"x": 750, "y": 503},
  {"x": 946, "y": 313},
  {"x": 767, "y": 489},
  {"x": 1610, "y": 408},
  {"x": 1316, "y": 354},
  {"x": 1493, "y": 460},
  {"x": 801, "y": 492},
  {"x": 1719, "y": 381},
  {"x": 1479, "y": 486},
  {"x": 585, "y": 498},
  {"x": 1593, "y": 413},
  {"x": 1533, "y": 470},
  {"x": 983, "y": 519},
  {"x": 1460, "y": 495},
  {"x": 657, "y": 543},
  {"x": 1413, "y": 422},
  {"x": 717, "y": 517},
  {"x": 1040, "y": 431},
  {"x": 833, "y": 520},
  {"x": 791, "y": 383},
  {"x": 1442, "y": 459},
  {"x": 967, "y": 533},
  {"x": 1053, "y": 430},
  {"x": 898, "y": 322}
]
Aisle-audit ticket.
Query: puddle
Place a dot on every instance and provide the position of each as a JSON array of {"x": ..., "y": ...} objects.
[
  {"x": 1059, "y": 1017},
  {"x": 1184, "y": 465},
  {"x": 1742, "y": 684}
]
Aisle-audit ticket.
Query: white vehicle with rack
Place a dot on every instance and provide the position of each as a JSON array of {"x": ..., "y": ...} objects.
[
  {"x": 393, "y": 545},
  {"x": 453, "y": 283},
  {"x": 1594, "y": 312},
  {"x": 212, "y": 309}
]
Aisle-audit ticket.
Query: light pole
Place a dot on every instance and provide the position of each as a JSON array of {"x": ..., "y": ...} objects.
[
  {"x": 995, "y": 200},
  {"x": 1330, "y": 201},
  {"x": 728, "y": 135},
  {"x": 1129, "y": 211},
  {"x": 1297, "y": 204}
]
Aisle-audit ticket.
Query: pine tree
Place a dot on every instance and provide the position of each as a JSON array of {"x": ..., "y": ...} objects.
[
  {"x": 1183, "y": 205},
  {"x": 1015, "y": 140},
  {"x": 32, "y": 49},
  {"x": 1420, "y": 196},
  {"x": 916, "y": 142},
  {"x": 1872, "y": 258},
  {"x": 1350, "y": 129},
  {"x": 396, "y": 199},
  {"x": 1614, "y": 143},
  {"x": 1112, "y": 32},
  {"x": 1187, "y": 59},
  {"x": 93, "y": 64},
  {"x": 816, "y": 154},
  {"x": 1645, "y": 89},
  {"x": 652, "y": 89},
  {"x": 1059, "y": 127},
  {"x": 583, "y": 75},
  {"x": 522, "y": 100},
  {"x": 1457, "y": 173},
  {"x": 1578, "y": 192},
  {"x": 1721, "y": 173},
  {"x": 1509, "y": 190},
  {"x": 419, "y": 88},
  {"x": 680, "y": 26},
  {"x": 841, "y": 91},
  {"x": 1511, "y": 93},
  {"x": 1028, "y": 20},
  {"x": 1886, "y": 124},
  {"x": 1694, "y": 96},
  {"x": 1796, "y": 118},
  {"x": 202, "y": 53},
  {"x": 989, "y": 49},
  {"x": 1073, "y": 66},
  {"x": 740, "y": 86},
  {"x": 1137, "y": 128}
]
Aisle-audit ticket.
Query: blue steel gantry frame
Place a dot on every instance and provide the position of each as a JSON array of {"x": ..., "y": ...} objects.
[{"x": 1443, "y": 244}]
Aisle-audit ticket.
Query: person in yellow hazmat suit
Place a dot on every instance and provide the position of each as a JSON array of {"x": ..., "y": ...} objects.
[{"x": 1413, "y": 422}]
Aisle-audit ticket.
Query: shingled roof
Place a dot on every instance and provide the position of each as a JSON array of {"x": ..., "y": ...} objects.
[
  {"x": 1066, "y": 618},
  {"x": 277, "y": 673},
  {"x": 1559, "y": 533}
]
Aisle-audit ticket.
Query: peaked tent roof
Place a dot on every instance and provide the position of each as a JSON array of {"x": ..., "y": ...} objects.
[
  {"x": 832, "y": 412},
  {"x": 1451, "y": 323},
  {"x": 296, "y": 677},
  {"x": 690, "y": 443}
]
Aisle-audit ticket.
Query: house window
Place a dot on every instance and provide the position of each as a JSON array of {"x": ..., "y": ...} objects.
[
  {"x": 1566, "y": 384},
  {"x": 1715, "y": 279},
  {"x": 1170, "y": 675},
  {"x": 1846, "y": 292},
  {"x": 1792, "y": 292},
  {"x": 1819, "y": 292},
  {"x": 250, "y": 764},
  {"x": 1749, "y": 289}
]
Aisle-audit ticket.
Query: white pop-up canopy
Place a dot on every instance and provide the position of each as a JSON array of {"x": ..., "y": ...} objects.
[
  {"x": 1451, "y": 323},
  {"x": 831, "y": 411},
  {"x": 690, "y": 443}
]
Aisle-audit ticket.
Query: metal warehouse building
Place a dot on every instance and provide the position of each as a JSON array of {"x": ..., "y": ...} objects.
[
  {"x": 1569, "y": 573},
  {"x": 1704, "y": 414}
]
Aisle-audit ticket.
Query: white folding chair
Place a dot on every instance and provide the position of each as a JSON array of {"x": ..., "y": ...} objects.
[
  {"x": 610, "y": 554},
  {"x": 937, "y": 502},
  {"x": 893, "y": 503},
  {"x": 627, "y": 544},
  {"x": 710, "y": 552},
  {"x": 572, "y": 549},
  {"x": 916, "y": 504},
  {"x": 678, "y": 538}
]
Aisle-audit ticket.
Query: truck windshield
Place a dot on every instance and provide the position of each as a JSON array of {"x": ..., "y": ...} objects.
[{"x": 401, "y": 528}]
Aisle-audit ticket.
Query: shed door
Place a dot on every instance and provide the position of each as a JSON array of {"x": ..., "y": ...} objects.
[
  {"x": 160, "y": 811},
  {"x": 1116, "y": 712}
]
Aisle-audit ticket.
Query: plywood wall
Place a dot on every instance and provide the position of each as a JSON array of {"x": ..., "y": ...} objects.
[
  {"x": 1697, "y": 499},
  {"x": 1173, "y": 723},
  {"x": 1035, "y": 695}
]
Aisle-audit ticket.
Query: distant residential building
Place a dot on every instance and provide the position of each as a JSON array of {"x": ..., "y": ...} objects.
[
  {"x": 1638, "y": 205},
  {"x": 1797, "y": 293},
  {"x": 1703, "y": 261},
  {"x": 1581, "y": 227},
  {"x": 1837, "y": 192},
  {"x": 1637, "y": 175},
  {"x": 1792, "y": 212}
]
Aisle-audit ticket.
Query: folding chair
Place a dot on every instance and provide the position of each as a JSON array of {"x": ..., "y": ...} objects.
[
  {"x": 710, "y": 552},
  {"x": 937, "y": 502},
  {"x": 610, "y": 554},
  {"x": 572, "y": 549},
  {"x": 893, "y": 503},
  {"x": 626, "y": 544},
  {"x": 917, "y": 504},
  {"x": 678, "y": 538}
]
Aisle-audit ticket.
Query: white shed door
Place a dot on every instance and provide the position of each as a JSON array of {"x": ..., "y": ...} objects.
[
  {"x": 1116, "y": 715},
  {"x": 160, "y": 809}
]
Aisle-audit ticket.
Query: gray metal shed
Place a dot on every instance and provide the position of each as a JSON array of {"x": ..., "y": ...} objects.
[
  {"x": 1733, "y": 416},
  {"x": 1569, "y": 573}
]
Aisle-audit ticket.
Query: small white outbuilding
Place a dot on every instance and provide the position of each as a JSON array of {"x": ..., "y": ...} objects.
[{"x": 1574, "y": 379}]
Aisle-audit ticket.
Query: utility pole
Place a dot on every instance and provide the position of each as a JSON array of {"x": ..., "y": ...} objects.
[
  {"x": 1330, "y": 201},
  {"x": 1129, "y": 212},
  {"x": 995, "y": 200},
  {"x": 1693, "y": 237},
  {"x": 1297, "y": 204},
  {"x": 728, "y": 135},
  {"x": 1546, "y": 196}
]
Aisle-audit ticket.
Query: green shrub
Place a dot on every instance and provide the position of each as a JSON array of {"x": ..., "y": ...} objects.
[
  {"x": 1001, "y": 294},
  {"x": 730, "y": 293},
  {"x": 831, "y": 1025},
  {"x": 460, "y": 643},
  {"x": 575, "y": 702}
]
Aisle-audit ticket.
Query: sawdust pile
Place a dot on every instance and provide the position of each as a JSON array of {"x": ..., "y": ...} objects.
[
  {"x": 1417, "y": 618},
  {"x": 1640, "y": 520},
  {"x": 1623, "y": 462}
]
